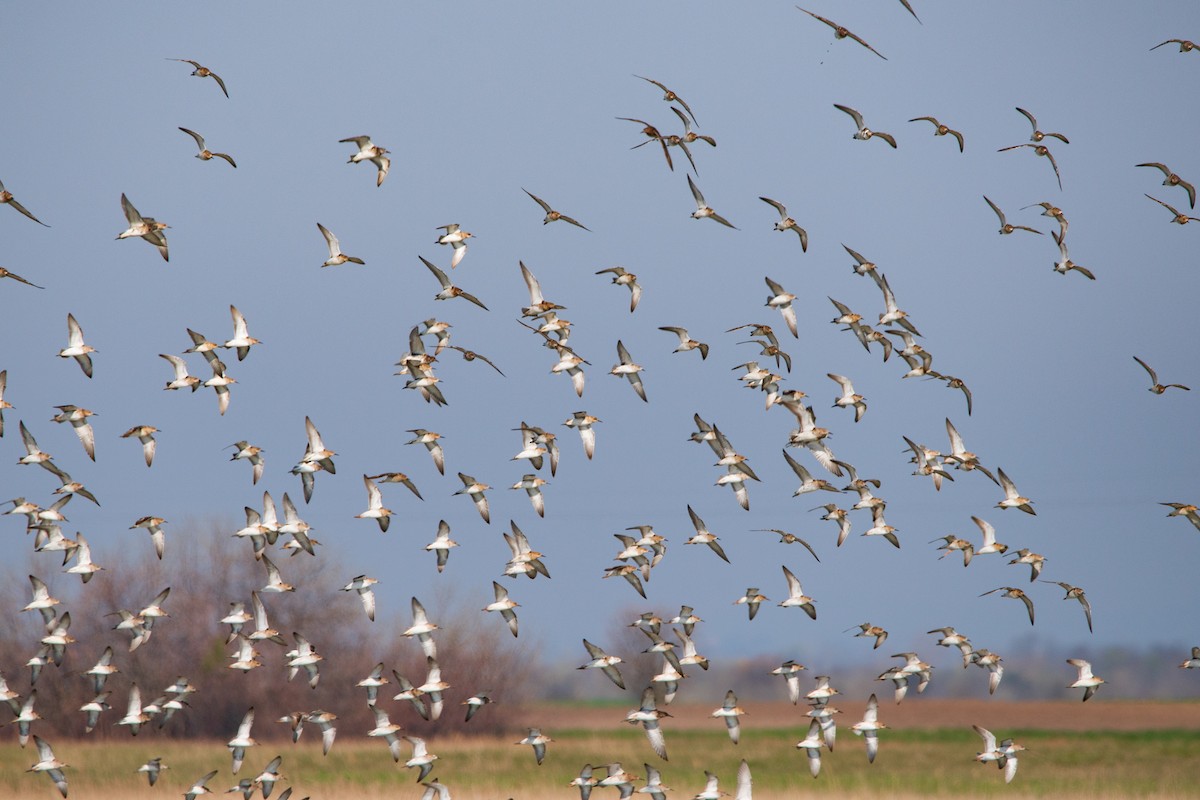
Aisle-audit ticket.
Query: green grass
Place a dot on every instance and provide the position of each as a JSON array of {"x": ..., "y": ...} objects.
[{"x": 1095, "y": 764}]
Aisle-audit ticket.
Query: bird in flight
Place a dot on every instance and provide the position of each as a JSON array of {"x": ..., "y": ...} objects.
[
  {"x": 941, "y": 130},
  {"x": 552, "y": 215},
  {"x": 864, "y": 133},
  {"x": 203, "y": 72},
  {"x": 842, "y": 32},
  {"x": 7, "y": 197}
]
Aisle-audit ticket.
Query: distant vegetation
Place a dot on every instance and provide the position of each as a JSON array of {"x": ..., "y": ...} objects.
[{"x": 205, "y": 575}]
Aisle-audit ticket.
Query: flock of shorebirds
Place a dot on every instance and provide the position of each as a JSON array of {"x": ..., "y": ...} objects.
[{"x": 893, "y": 332}]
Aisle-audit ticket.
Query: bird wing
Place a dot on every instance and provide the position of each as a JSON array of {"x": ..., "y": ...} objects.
[
  {"x": 330, "y": 240},
  {"x": 1010, "y": 488},
  {"x": 1029, "y": 605},
  {"x": 1030, "y": 117},
  {"x": 74, "y": 332},
  {"x": 443, "y": 279},
  {"x": 199, "y": 139},
  {"x": 744, "y": 789},
  {"x": 418, "y": 613},
  {"x": 857, "y": 117},
  {"x": 696, "y": 193},
  {"x": 996, "y": 208},
  {"x": 794, "y": 588},
  {"x": 780, "y": 207},
  {"x": 374, "y": 495},
  {"x": 131, "y": 214},
  {"x": 843, "y": 381},
  {"x": 545, "y": 206},
  {"x": 243, "y": 731},
  {"x": 531, "y": 282},
  {"x": 240, "y": 329}
]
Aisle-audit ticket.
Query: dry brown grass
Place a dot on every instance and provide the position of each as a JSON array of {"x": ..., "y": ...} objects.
[{"x": 1101, "y": 750}]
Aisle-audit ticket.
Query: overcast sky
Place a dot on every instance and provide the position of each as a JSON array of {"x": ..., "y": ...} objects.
[{"x": 481, "y": 100}]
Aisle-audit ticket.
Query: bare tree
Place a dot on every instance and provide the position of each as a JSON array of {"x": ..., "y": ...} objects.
[{"x": 205, "y": 575}]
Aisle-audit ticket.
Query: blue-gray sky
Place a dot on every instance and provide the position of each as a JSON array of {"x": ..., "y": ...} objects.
[{"x": 480, "y": 100}]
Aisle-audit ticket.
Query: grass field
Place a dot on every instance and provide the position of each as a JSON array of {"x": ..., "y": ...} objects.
[{"x": 1106, "y": 762}]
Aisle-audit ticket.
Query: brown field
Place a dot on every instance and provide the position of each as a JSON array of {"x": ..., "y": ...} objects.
[
  {"x": 915, "y": 713},
  {"x": 1098, "y": 750}
]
